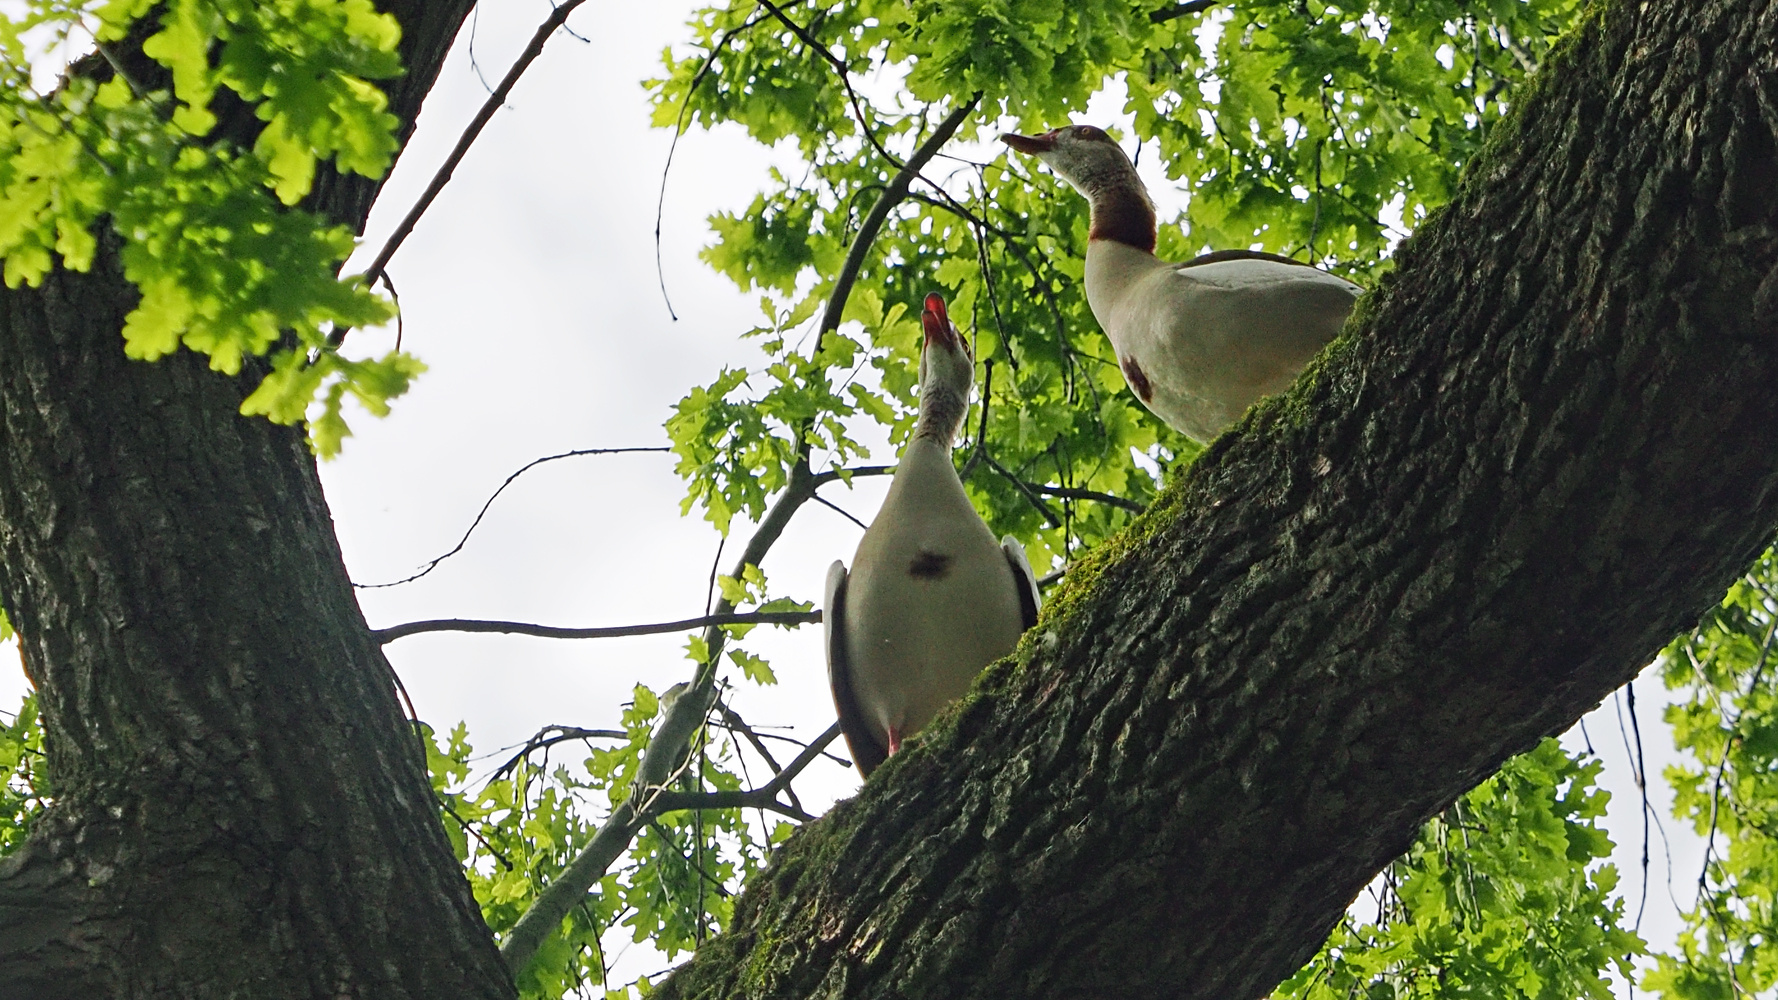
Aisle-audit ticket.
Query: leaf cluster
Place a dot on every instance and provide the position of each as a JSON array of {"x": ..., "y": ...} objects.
[
  {"x": 1501, "y": 896},
  {"x": 1725, "y": 721},
  {"x": 211, "y": 234},
  {"x": 1294, "y": 127},
  {"x": 24, "y": 792}
]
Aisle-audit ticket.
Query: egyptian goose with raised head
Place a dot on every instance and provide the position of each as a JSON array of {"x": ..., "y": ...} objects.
[
  {"x": 932, "y": 598},
  {"x": 1198, "y": 342}
]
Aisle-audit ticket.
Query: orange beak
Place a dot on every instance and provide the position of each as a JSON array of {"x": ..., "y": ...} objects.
[
  {"x": 937, "y": 322},
  {"x": 1033, "y": 144}
]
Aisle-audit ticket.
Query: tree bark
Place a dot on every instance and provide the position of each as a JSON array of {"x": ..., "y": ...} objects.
[
  {"x": 240, "y": 807},
  {"x": 1549, "y": 442}
]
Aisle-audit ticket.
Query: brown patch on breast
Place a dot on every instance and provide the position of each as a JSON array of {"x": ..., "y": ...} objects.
[
  {"x": 929, "y": 566},
  {"x": 1138, "y": 381}
]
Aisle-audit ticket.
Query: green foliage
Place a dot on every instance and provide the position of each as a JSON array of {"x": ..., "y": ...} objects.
[
  {"x": 22, "y": 797},
  {"x": 1501, "y": 896},
  {"x": 1726, "y": 721},
  {"x": 226, "y": 265},
  {"x": 518, "y": 827},
  {"x": 1293, "y": 127},
  {"x": 530, "y": 819}
]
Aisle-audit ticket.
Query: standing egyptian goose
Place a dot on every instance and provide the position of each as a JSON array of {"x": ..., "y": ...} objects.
[
  {"x": 932, "y": 597},
  {"x": 1198, "y": 342}
]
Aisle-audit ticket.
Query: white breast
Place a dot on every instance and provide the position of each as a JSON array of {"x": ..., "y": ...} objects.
[
  {"x": 931, "y": 598},
  {"x": 1207, "y": 341}
]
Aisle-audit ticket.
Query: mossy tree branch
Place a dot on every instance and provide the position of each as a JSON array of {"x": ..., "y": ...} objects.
[{"x": 1547, "y": 443}]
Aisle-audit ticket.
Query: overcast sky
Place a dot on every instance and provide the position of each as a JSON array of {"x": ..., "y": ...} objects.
[{"x": 531, "y": 292}]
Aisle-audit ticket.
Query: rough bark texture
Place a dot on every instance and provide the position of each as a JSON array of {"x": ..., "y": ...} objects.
[
  {"x": 240, "y": 807},
  {"x": 1551, "y": 442}
]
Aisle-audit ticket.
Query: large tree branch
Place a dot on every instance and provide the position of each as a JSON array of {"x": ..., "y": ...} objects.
[
  {"x": 1548, "y": 442},
  {"x": 240, "y": 807}
]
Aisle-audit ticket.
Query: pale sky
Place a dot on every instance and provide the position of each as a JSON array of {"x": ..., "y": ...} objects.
[{"x": 531, "y": 292}]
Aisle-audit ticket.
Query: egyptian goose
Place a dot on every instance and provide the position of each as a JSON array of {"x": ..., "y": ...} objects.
[
  {"x": 1198, "y": 342},
  {"x": 932, "y": 597}
]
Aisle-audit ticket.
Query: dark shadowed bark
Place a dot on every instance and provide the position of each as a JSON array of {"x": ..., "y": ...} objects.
[
  {"x": 1550, "y": 442},
  {"x": 240, "y": 808}
]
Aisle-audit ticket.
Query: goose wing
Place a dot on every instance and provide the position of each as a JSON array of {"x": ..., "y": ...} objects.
[
  {"x": 867, "y": 750},
  {"x": 1023, "y": 579}
]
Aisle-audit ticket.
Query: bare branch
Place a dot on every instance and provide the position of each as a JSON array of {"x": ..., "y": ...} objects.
[
  {"x": 666, "y": 802},
  {"x": 1069, "y": 493},
  {"x": 763, "y": 797},
  {"x": 528, "y": 466},
  {"x": 505, "y": 862},
  {"x": 839, "y": 66},
  {"x": 833, "y": 475},
  {"x": 394, "y": 632},
  {"x": 841, "y": 511},
  {"x": 660, "y": 204},
  {"x": 732, "y": 720},
  {"x": 879, "y": 213},
  {"x": 563, "y": 734},
  {"x": 1025, "y": 489},
  {"x": 1163, "y": 16},
  {"x": 555, "y": 20}
]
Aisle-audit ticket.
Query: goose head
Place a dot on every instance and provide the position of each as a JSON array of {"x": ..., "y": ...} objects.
[
  {"x": 1082, "y": 155},
  {"x": 947, "y": 372},
  {"x": 1092, "y": 163}
]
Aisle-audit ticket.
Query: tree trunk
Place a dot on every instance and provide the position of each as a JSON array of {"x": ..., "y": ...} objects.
[
  {"x": 240, "y": 808},
  {"x": 1549, "y": 444}
]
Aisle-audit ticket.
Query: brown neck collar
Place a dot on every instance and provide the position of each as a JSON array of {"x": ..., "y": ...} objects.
[{"x": 1123, "y": 213}]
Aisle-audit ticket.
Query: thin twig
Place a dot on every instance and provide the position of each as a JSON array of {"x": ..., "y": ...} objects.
[
  {"x": 1728, "y": 744},
  {"x": 562, "y": 735},
  {"x": 765, "y": 796},
  {"x": 1024, "y": 490},
  {"x": 394, "y": 632},
  {"x": 832, "y": 475},
  {"x": 841, "y": 511},
  {"x": 1070, "y": 493},
  {"x": 467, "y": 139},
  {"x": 498, "y": 856},
  {"x": 845, "y": 74},
  {"x": 841, "y": 761},
  {"x": 528, "y": 466},
  {"x": 660, "y": 204},
  {"x": 732, "y": 721},
  {"x": 1640, "y": 772},
  {"x": 395, "y": 297},
  {"x": 667, "y": 836}
]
